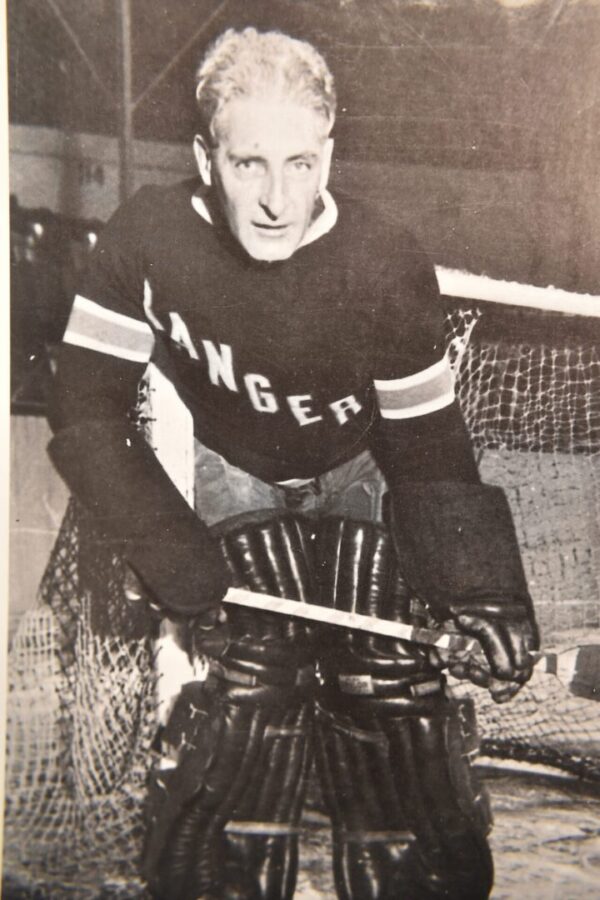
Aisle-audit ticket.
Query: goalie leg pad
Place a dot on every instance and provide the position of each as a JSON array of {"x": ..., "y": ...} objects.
[
  {"x": 262, "y": 837},
  {"x": 272, "y": 555},
  {"x": 370, "y": 830},
  {"x": 239, "y": 830},
  {"x": 448, "y": 811},
  {"x": 247, "y": 725},
  {"x": 409, "y": 818}
]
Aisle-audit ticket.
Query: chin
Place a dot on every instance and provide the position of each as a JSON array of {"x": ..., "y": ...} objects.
[{"x": 266, "y": 252}]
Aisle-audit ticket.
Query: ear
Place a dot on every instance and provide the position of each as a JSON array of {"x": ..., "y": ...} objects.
[
  {"x": 326, "y": 164},
  {"x": 203, "y": 159}
]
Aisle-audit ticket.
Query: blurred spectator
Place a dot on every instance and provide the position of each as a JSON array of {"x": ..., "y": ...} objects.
[{"x": 46, "y": 252}]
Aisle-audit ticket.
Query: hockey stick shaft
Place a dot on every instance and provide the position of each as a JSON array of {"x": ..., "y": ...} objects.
[
  {"x": 578, "y": 668},
  {"x": 327, "y": 615}
]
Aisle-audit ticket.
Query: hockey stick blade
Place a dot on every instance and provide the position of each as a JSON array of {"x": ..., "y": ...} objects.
[{"x": 577, "y": 669}]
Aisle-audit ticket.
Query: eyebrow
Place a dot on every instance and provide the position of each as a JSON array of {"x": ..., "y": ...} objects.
[
  {"x": 256, "y": 157},
  {"x": 246, "y": 157},
  {"x": 306, "y": 156}
]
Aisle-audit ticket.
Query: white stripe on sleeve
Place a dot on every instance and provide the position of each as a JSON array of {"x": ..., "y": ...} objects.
[
  {"x": 97, "y": 328},
  {"x": 418, "y": 394}
]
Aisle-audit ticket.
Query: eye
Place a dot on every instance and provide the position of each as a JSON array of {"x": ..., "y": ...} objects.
[
  {"x": 302, "y": 165},
  {"x": 248, "y": 166}
]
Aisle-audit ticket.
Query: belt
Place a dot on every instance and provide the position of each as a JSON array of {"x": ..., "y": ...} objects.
[
  {"x": 270, "y": 676},
  {"x": 296, "y": 490}
]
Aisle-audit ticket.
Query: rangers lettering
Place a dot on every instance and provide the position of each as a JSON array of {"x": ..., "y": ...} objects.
[
  {"x": 220, "y": 364},
  {"x": 179, "y": 331},
  {"x": 297, "y": 404},
  {"x": 342, "y": 408},
  {"x": 261, "y": 398}
]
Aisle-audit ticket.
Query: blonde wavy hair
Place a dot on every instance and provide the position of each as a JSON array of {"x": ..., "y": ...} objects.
[{"x": 249, "y": 63}]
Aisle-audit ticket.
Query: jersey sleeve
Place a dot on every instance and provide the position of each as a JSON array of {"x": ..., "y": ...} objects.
[
  {"x": 420, "y": 434},
  {"x": 454, "y": 536},
  {"x": 108, "y": 313},
  {"x": 103, "y": 458}
]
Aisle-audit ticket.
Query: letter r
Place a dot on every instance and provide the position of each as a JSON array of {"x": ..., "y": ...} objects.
[{"x": 342, "y": 408}]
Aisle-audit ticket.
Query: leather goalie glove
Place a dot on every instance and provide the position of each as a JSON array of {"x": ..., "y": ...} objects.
[
  {"x": 508, "y": 636},
  {"x": 458, "y": 549}
]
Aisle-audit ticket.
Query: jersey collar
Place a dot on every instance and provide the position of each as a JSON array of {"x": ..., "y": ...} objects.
[{"x": 321, "y": 225}]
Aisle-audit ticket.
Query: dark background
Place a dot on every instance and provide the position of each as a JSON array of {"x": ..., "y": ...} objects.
[
  {"x": 475, "y": 123},
  {"x": 478, "y": 121},
  {"x": 461, "y": 84}
]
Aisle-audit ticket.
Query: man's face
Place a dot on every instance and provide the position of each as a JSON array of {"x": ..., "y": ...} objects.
[{"x": 270, "y": 162}]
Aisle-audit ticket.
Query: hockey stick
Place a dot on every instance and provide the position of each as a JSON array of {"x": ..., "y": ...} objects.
[
  {"x": 577, "y": 669},
  {"x": 329, "y": 616}
]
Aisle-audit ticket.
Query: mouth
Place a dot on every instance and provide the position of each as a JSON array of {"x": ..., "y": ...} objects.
[{"x": 271, "y": 230}]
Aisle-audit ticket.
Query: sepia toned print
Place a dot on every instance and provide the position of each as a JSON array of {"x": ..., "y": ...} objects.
[{"x": 304, "y": 314}]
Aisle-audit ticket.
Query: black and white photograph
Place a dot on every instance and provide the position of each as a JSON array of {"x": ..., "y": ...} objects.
[{"x": 304, "y": 487}]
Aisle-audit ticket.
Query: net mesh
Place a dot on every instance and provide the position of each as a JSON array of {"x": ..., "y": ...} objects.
[
  {"x": 78, "y": 753},
  {"x": 82, "y": 714},
  {"x": 533, "y": 410}
]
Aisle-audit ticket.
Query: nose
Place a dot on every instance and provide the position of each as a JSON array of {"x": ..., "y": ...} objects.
[{"x": 272, "y": 198}]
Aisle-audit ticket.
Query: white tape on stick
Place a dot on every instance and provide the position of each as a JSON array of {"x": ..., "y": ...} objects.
[
  {"x": 577, "y": 669},
  {"x": 328, "y": 616}
]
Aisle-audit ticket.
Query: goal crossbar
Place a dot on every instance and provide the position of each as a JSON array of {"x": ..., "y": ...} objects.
[{"x": 467, "y": 286}]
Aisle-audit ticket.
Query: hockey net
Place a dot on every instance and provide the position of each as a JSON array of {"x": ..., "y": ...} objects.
[
  {"x": 528, "y": 381},
  {"x": 82, "y": 711}
]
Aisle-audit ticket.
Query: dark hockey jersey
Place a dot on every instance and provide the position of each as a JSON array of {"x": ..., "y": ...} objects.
[{"x": 288, "y": 368}]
